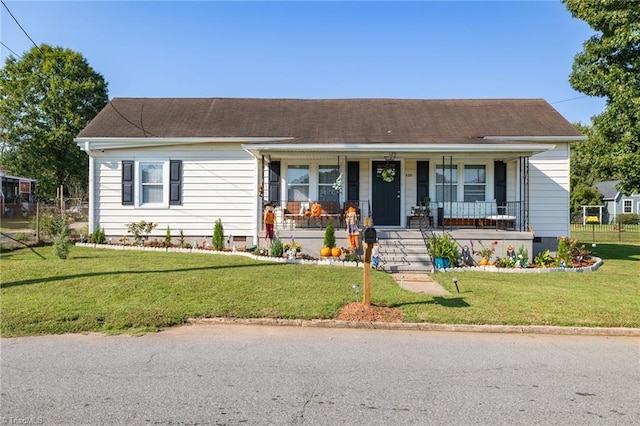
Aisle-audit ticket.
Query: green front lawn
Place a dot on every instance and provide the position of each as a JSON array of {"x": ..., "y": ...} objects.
[{"x": 132, "y": 291}]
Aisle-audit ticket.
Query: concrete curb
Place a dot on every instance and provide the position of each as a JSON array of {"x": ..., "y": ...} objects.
[{"x": 469, "y": 328}]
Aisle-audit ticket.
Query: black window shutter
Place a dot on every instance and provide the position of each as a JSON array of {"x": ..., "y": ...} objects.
[
  {"x": 422, "y": 181},
  {"x": 175, "y": 182},
  {"x": 274, "y": 181},
  {"x": 127, "y": 183},
  {"x": 353, "y": 181}
]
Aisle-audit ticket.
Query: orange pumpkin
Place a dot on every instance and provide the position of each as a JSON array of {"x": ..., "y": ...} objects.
[
  {"x": 316, "y": 209},
  {"x": 336, "y": 252},
  {"x": 325, "y": 252},
  {"x": 484, "y": 261}
]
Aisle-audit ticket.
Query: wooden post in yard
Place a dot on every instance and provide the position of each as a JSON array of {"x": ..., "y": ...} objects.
[
  {"x": 366, "y": 287},
  {"x": 369, "y": 239}
]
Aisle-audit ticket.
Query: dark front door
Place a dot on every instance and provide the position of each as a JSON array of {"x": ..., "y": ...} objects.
[{"x": 385, "y": 196}]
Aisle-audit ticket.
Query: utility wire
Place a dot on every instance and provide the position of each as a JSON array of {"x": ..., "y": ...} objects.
[
  {"x": 10, "y": 50},
  {"x": 567, "y": 100},
  {"x": 144, "y": 132},
  {"x": 23, "y": 30}
]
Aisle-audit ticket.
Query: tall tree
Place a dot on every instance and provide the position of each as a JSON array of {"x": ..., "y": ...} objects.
[
  {"x": 609, "y": 67},
  {"x": 589, "y": 162},
  {"x": 46, "y": 98}
]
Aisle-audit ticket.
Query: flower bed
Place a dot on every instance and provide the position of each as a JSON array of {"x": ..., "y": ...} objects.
[{"x": 584, "y": 267}]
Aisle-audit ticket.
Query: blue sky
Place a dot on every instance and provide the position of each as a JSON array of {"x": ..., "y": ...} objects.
[{"x": 304, "y": 49}]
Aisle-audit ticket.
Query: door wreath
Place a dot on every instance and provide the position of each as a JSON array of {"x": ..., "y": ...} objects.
[{"x": 388, "y": 173}]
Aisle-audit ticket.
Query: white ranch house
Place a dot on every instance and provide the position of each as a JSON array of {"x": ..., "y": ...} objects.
[{"x": 485, "y": 164}]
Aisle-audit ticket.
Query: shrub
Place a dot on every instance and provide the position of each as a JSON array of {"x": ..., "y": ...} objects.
[
  {"x": 330, "y": 236},
  {"x": 505, "y": 262},
  {"x": 276, "y": 248},
  {"x": 167, "y": 237},
  {"x": 98, "y": 236},
  {"x": 140, "y": 229},
  {"x": 544, "y": 259},
  {"x": 217, "y": 241},
  {"x": 522, "y": 257},
  {"x": 564, "y": 252},
  {"x": 627, "y": 219},
  {"x": 351, "y": 256},
  {"x": 61, "y": 238},
  {"x": 181, "y": 237}
]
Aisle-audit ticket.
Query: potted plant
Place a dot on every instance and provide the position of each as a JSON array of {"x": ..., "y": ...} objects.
[
  {"x": 444, "y": 251},
  {"x": 486, "y": 253},
  {"x": 427, "y": 208}
]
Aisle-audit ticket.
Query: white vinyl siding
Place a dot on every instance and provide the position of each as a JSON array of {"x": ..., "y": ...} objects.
[
  {"x": 219, "y": 182},
  {"x": 549, "y": 192}
]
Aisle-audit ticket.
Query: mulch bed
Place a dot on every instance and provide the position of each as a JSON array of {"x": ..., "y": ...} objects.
[{"x": 372, "y": 313}]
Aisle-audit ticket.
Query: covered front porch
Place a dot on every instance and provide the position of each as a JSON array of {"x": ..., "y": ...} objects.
[{"x": 409, "y": 189}]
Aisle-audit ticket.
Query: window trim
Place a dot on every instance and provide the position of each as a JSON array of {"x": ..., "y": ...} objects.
[
  {"x": 624, "y": 201},
  {"x": 441, "y": 186},
  {"x": 308, "y": 185},
  {"x": 139, "y": 186},
  {"x": 436, "y": 187},
  {"x": 320, "y": 185},
  {"x": 465, "y": 183}
]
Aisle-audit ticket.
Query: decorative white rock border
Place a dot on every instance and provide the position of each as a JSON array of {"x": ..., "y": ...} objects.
[{"x": 224, "y": 253}]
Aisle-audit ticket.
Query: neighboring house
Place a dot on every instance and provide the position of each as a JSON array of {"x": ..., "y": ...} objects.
[
  {"x": 615, "y": 202},
  {"x": 184, "y": 163},
  {"x": 16, "y": 194}
]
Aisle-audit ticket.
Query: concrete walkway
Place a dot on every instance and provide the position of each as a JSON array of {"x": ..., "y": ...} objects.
[{"x": 419, "y": 283}]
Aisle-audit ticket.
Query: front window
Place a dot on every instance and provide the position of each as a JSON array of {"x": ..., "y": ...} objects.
[
  {"x": 151, "y": 183},
  {"x": 298, "y": 183},
  {"x": 475, "y": 180},
  {"x": 327, "y": 176},
  {"x": 627, "y": 206},
  {"x": 446, "y": 183}
]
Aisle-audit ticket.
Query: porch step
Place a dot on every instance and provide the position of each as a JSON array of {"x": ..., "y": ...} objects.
[{"x": 403, "y": 250}]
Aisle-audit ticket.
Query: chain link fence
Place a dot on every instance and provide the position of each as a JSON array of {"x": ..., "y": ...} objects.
[{"x": 27, "y": 223}]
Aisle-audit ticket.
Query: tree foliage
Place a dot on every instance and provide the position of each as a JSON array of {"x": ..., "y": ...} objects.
[
  {"x": 46, "y": 98},
  {"x": 584, "y": 195},
  {"x": 588, "y": 167},
  {"x": 609, "y": 67}
]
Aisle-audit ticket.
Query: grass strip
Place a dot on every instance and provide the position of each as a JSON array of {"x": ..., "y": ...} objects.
[{"x": 115, "y": 291}]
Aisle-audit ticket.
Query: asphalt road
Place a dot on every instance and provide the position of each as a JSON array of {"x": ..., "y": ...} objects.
[{"x": 262, "y": 375}]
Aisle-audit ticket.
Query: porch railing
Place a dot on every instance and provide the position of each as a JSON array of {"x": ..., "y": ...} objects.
[
  {"x": 298, "y": 215},
  {"x": 479, "y": 214}
]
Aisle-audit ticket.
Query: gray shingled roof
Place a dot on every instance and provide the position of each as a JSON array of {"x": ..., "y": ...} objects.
[
  {"x": 329, "y": 120},
  {"x": 608, "y": 189}
]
